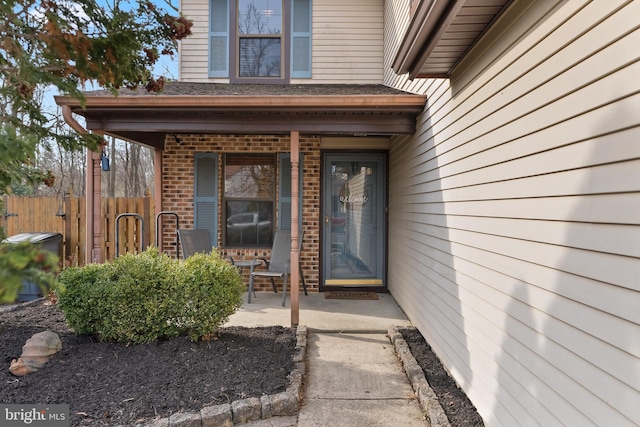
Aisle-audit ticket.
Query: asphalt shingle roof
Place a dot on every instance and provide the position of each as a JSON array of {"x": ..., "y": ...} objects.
[{"x": 224, "y": 89}]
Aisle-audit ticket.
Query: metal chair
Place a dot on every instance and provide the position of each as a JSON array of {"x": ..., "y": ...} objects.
[
  {"x": 194, "y": 241},
  {"x": 278, "y": 265}
]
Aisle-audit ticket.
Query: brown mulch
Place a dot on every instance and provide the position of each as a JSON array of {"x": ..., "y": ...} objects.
[
  {"x": 111, "y": 383},
  {"x": 455, "y": 403},
  {"x": 114, "y": 384}
]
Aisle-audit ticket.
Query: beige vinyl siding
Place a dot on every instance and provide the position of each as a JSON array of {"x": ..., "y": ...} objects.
[
  {"x": 347, "y": 42},
  {"x": 194, "y": 50},
  {"x": 515, "y": 215},
  {"x": 397, "y": 19}
]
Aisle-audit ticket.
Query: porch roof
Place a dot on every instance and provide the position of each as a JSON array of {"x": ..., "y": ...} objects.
[{"x": 184, "y": 107}]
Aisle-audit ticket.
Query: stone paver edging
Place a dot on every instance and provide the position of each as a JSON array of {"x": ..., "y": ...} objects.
[
  {"x": 14, "y": 306},
  {"x": 426, "y": 396},
  {"x": 243, "y": 411}
]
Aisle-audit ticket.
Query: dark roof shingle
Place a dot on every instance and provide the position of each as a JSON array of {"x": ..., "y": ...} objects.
[{"x": 175, "y": 88}]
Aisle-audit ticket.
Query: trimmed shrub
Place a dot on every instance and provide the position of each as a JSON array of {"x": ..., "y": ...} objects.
[{"x": 149, "y": 296}]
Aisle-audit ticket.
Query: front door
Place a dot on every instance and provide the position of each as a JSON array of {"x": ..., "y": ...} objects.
[{"x": 354, "y": 220}]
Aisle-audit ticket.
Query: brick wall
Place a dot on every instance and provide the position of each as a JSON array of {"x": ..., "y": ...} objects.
[{"x": 178, "y": 184}]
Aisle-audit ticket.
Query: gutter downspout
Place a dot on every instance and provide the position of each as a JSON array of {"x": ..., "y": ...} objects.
[{"x": 93, "y": 190}]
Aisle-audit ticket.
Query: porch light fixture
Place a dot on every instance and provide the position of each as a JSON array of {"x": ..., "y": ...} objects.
[{"x": 104, "y": 162}]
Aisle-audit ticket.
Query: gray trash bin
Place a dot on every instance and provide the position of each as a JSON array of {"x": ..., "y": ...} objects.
[{"x": 51, "y": 242}]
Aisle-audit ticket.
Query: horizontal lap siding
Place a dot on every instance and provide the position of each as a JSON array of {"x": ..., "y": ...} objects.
[
  {"x": 515, "y": 216},
  {"x": 347, "y": 41},
  {"x": 194, "y": 50}
]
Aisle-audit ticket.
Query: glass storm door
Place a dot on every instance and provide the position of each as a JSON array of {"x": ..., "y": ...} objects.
[{"x": 354, "y": 220}]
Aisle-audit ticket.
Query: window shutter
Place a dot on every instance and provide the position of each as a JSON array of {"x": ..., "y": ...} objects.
[
  {"x": 205, "y": 195},
  {"x": 301, "y": 39},
  {"x": 284, "y": 202},
  {"x": 219, "y": 39}
]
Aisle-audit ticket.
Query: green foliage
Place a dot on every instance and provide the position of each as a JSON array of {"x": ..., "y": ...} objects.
[
  {"x": 47, "y": 44},
  {"x": 25, "y": 262},
  {"x": 19, "y": 188},
  {"x": 146, "y": 297}
]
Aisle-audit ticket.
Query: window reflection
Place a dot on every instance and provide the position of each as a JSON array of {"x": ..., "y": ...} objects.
[
  {"x": 249, "y": 191},
  {"x": 260, "y": 41}
]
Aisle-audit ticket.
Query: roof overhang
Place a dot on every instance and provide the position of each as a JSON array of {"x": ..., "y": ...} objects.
[
  {"x": 441, "y": 32},
  {"x": 248, "y": 109}
]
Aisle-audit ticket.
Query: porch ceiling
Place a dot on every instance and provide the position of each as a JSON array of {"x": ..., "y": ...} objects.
[
  {"x": 441, "y": 32},
  {"x": 184, "y": 107}
]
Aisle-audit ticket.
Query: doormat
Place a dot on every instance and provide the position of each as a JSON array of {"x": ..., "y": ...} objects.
[{"x": 351, "y": 295}]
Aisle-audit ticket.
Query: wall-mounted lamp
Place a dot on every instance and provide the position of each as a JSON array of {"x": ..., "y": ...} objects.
[
  {"x": 177, "y": 139},
  {"x": 104, "y": 162}
]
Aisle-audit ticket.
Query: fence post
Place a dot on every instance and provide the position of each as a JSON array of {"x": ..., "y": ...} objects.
[
  {"x": 146, "y": 215},
  {"x": 68, "y": 217},
  {"x": 4, "y": 210},
  {"x": 45, "y": 213}
]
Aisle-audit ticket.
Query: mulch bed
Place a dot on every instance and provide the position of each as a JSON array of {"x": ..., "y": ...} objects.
[
  {"x": 111, "y": 383},
  {"x": 455, "y": 403},
  {"x": 115, "y": 384}
]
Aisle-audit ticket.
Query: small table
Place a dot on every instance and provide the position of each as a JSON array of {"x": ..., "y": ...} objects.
[
  {"x": 261, "y": 261},
  {"x": 252, "y": 263},
  {"x": 248, "y": 264}
]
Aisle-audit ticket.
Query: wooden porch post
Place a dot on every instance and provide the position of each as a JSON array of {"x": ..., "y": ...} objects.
[
  {"x": 157, "y": 193},
  {"x": 88, "y": 201},
  {"x": 295, "y": 259},
  {"x": 92, "y": 194},
  {"x": 93, "y": 200}
]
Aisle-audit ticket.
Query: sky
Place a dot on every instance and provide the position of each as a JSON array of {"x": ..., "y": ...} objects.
[{"x": 166, "y": 66}]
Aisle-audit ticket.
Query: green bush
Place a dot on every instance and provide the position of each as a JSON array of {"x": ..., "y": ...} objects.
[
  {"x": 146, "y": 297},
  {"x": 24, "y": 261}
]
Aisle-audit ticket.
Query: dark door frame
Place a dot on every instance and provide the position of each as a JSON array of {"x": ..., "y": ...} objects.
[{"x": 384, "y": 211}]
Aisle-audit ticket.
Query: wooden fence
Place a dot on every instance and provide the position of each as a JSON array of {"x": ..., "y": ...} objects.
[{"x": 67, "y": 217}]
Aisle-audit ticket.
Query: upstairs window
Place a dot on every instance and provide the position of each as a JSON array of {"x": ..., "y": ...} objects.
[
  {"x": 259, "y": 38},
  {"x": 260, "y": 41}
]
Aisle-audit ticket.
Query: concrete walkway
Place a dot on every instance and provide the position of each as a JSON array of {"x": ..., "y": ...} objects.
[{"x": 353, "y": 377}]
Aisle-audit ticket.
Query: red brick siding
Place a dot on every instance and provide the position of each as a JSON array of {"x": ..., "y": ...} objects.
[{"x": 178, "y": 183}]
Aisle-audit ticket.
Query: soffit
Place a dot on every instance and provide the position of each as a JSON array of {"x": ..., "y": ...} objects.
[
  {"x": 441, "y": 32},
  {"x": 198, "y": 108}
]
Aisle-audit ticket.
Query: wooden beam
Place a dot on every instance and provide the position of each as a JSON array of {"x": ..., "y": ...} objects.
[
  {"x": 98, "y": 232},
  {"x": 157, "y": 191},
  {"x": 93, "y": 201},
  {"x": 88, "y": 247},
  {"x": 145, "y": 128},
  {"x": 295, "y": 258},
  {"x": 246, "y": 102}
]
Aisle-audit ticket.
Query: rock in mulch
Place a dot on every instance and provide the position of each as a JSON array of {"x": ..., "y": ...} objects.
[{"x": 35, "y": 353}]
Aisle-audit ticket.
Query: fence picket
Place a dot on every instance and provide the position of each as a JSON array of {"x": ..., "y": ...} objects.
[{"x": 67, "y": 216}]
